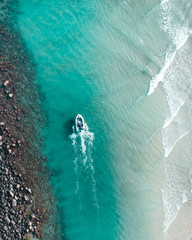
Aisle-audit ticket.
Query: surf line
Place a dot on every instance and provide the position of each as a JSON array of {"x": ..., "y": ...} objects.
[
  {"x": 160, "y": 76},
  {"x": 170, "y": 55}
]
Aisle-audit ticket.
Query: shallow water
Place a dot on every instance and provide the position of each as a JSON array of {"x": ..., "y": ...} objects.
[{"x": 116, "y": 64}]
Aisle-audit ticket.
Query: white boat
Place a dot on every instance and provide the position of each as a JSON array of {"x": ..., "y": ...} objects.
[{"x": 79, "y": 123}]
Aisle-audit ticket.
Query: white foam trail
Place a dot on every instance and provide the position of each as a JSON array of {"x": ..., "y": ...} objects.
[
  {"x": 74, "y": 143},
  {"x": 76, "y": 174},
  {"x": 82, "y": 143},
  {"x": 87, "y": 138}
]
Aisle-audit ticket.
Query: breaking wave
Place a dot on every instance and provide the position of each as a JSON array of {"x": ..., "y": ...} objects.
[
  {"x": 175, "y": 76},
  {"x": 178, "y": 34}
]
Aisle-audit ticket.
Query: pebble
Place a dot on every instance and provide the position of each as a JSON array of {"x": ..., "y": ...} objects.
[
  {"x": 5, "y": 228},
  {"x": 7, "y": 220},
  {"x": 28, "y": 189},
  {"x": 13, "y": 223},
  {"x": 9, "y": 150},
  {"x": 6, "y": 83},
  {"x": 15, "y": 217},
  {"x": 11, "y": 193},
  {"x": 26, "y": 198},
  {"x": 14, "y": 203}
]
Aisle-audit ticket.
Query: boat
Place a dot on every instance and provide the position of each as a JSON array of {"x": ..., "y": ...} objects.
[{"x": 79, "y": 123}]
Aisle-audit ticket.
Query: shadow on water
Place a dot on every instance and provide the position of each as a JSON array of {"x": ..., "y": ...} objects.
[{"x": 67, "y": 126}]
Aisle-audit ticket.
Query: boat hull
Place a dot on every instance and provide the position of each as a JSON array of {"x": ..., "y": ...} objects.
[{"x": 79, "y": 123}]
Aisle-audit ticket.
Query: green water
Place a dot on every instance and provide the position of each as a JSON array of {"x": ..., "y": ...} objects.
[{"x": 97, "y": 58}]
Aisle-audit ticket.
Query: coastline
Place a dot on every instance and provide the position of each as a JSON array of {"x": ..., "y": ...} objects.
[
  {"x": 26, "y": 200},
  {"x": 66, "y": 61}
]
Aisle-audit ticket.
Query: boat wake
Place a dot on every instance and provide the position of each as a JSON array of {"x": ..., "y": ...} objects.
[{"x": 82, "y": 143}]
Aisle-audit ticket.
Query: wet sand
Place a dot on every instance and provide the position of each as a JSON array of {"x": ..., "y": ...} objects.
[
  {"x": 26, "y": 202},
  {"x": 181, "y": 227}
]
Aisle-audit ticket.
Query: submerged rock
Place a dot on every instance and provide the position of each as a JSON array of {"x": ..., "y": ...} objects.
[
  {"x": 19, "y": 148},
  {"x": 14, "y": 203},
  {"x": 26, "y": 198},
  {"x": 7, "y": 220}
]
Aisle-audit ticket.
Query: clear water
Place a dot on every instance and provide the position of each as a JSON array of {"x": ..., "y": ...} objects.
[{"x": 125, "y": 66}]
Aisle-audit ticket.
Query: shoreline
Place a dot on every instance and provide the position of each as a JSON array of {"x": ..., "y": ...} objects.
[{"x": 26, "y": 199}]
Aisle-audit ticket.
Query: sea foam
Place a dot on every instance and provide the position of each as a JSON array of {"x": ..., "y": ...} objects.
[
  {"x": 175, "y": 78},
  {"x": 177, "y": 34}
]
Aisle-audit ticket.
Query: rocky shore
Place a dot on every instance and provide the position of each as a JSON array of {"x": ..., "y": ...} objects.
[{"x": 26, "y": 202}]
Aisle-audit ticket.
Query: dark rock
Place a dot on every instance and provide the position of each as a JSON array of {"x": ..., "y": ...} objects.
[
  {"x": 6, "y": 83},
  {"x": 7, "y": 220},
  {"x": 26, "y": 198},
  {"x": 11, "y": 193},
  {"x": 28, "y": 190},
  {"x": 13, "y": 223},
  {"x": 5, "y": 228},
  {"x": 32, "y": 215},
  {"x": 14, "y": 203}
]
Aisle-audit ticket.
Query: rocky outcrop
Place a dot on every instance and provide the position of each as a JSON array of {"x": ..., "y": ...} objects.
[{"x": 23, "y": 178}]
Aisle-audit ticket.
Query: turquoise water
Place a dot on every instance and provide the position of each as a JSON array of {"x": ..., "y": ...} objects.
[{"x": 101, "y": 59}]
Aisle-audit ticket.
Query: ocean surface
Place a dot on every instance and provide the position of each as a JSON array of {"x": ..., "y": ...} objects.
[{"x": 126, "y": 66}]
